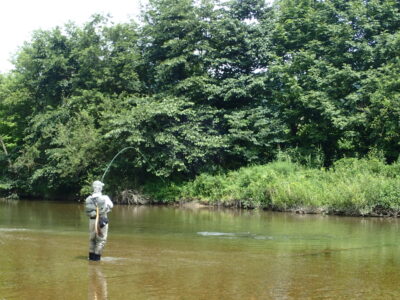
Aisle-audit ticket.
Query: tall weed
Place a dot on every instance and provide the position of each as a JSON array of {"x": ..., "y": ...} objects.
[{"x": 352, "y": 187}]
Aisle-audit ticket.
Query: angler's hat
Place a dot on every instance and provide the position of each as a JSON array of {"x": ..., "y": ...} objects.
[{"x": 98, "y": 183}]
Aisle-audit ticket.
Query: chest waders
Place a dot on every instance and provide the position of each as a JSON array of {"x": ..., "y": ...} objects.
[
  {"x": 98, "y": 233},
  {"x": 97, "y": 206}
]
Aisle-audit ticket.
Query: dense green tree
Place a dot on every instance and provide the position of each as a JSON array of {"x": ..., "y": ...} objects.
[
  {"x": 171, "y": 136},
  {"x": 12, "y": 126},
  {"x": 379, "y": 126},
  {"x": 6, "y": 138},
  {"x": 63, "y": 82},
  {"x": 170, "y": 42},
  {"x": 323, "y": 50}
]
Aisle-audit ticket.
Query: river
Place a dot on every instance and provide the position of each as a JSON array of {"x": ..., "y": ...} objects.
[{"x": 181, "y": 253}]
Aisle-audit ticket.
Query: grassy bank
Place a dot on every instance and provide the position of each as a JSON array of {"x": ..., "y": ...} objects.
[{"x": 350, "y": 187}]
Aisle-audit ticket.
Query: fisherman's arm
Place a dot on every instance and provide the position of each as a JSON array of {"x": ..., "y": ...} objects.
[
  {"x": 90, "y": 207},
  {"x": 109, "y": 202}
]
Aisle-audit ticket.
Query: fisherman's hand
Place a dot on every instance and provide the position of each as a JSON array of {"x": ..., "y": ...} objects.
[{"x": 103, "y": 221}]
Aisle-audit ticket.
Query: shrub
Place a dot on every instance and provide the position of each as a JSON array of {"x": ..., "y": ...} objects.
[{"x": 352, "y": 187}]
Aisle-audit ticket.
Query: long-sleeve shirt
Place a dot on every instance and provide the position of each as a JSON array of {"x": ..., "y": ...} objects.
[{"x": 103, "y": 202}]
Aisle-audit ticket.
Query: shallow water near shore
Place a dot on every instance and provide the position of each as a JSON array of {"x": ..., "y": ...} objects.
[{"x": 176, "y": 253}]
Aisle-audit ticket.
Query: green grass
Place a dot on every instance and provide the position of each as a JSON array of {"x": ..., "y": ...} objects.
[{"x": 350, "y": 187}]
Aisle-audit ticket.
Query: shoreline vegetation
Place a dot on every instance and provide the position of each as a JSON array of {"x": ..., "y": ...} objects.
[
  {"x": 351, "y": 187},
  {"x": 366, "y": 187}
]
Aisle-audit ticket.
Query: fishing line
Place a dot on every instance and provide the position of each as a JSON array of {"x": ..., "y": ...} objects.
[{"x": 126, "y": 148}]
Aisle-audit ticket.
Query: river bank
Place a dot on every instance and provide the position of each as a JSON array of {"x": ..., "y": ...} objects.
[{"x": 353, "y": 187}]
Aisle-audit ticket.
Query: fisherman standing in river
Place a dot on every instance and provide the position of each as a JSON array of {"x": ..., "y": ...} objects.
[{"x": 97, "y": 206}]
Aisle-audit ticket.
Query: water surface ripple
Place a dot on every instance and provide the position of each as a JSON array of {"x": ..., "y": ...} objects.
[{"x": 174, "y": 253}]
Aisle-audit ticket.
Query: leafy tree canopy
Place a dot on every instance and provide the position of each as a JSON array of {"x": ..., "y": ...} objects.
[{"x": 200, "y": 86}]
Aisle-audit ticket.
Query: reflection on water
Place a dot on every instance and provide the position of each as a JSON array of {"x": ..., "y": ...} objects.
[
  {"x": 97, "y": 282},
  {"x": 173, "y": 253}
]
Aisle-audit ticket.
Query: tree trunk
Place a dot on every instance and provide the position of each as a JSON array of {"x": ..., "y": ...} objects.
[{"x": 5, "y": 151}]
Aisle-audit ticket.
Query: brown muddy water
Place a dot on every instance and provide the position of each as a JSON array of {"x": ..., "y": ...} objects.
[{"x": 176, "y": 253}]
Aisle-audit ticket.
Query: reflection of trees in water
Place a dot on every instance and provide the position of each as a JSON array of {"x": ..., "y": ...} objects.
[
  {"x": 127, "y": 211},
  {"x": 183, "y": 212},
  {"x": 7, "y": 201},
  {"x": 42, "y": 213},
  {"x": 97, "y": 283}
]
